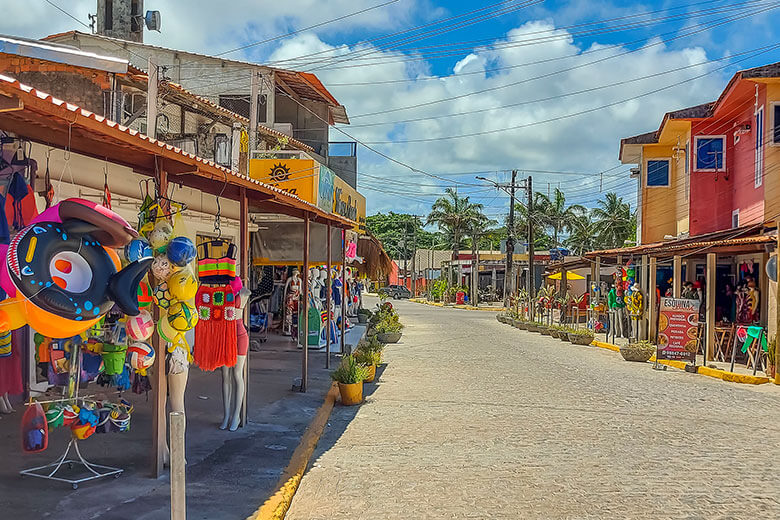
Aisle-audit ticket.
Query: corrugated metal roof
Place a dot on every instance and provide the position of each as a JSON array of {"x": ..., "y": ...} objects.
[
  {"x": 28, "y": 95},
  {"x": 60, "y": 54}
]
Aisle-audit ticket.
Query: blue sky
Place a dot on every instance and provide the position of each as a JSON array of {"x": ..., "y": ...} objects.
[{"x": 552, "y": 128}]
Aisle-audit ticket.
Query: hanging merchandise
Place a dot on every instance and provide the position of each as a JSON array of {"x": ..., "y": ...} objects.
[
  {"x": 60, "y": 276},
  {"x": 141, "y": 327},
  {"x": 35, "y": 429},
  {"x": 137, "y": 249}
]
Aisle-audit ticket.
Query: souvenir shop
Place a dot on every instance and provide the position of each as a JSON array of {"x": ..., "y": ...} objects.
[
  {"x": 124, "y": 267},
  {"x": 734, "y": 280}
]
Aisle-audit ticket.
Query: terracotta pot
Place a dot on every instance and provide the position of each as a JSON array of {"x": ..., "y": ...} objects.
[
  {"x": 388, "y": 337},
  {"x": 371, "y": 374},
  {"x": 351, "y": 394},
  {"x": 545, "y": 331}
]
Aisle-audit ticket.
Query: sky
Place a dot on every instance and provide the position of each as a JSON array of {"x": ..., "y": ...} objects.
[{"x": 443, "y": 91}]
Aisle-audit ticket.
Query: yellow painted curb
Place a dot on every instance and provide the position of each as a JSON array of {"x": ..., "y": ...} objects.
[
  {"x": 463, "y": 307},
  {"x": 275, "y": 508},
  {"x": 705, "y": 371}
]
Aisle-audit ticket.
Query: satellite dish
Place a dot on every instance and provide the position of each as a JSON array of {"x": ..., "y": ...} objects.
[
  {"x": 152, "y": 20},
  {"x": 771, "y": 268}
]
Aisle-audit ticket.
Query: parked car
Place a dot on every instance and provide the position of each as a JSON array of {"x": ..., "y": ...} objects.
[{"x": 396, "y": 291}]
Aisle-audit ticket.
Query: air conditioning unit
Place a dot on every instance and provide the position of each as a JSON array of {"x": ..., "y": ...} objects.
[{"x": 285, "y": 128}]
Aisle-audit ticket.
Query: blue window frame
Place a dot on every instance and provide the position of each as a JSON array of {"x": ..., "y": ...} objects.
[
  {"x": 658, "y": 172},
  {"x": 710, "y": 153}
]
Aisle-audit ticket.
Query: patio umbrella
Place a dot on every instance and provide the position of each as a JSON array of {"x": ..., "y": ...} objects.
[{"x": 569, "y": 276}]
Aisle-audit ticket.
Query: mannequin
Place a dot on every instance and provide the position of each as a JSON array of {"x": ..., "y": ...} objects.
[
  {"x": 5, "y": 404},
  {"x": 314, "y": 289},
  {"x": 292, "y": 292},
  {"x": 324, "y": 285},
  {"x": 636, "y": 307},
  {"x": 233, "y": 384},
  {"x": 178, "y": 369}
]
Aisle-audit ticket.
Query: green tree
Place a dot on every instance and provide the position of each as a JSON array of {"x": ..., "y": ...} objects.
[
  {"x": 556, "y": 215},
  {"x": 582, "y": 235},
  {"x": 391, "y": 229},
  {"x": 614, "y": 222},
  {"x": 542, "y": 239},
  {"x": 453, "y": 215}
]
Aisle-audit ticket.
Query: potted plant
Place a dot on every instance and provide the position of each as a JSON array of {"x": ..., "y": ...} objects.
[
  {"x": 563, "y": 335},
  {"x": 350, "y": 375},
  {"x": 581, "y": 336},
  {"x": 544, "y": 329},
  {"x": 771, "y": 365},
  {"x": 363, "y": 315},
  {"x": 532, "y": 326},
  {"x": 639, "y": 351},
  {"x": 369, "y": 359},
  {"x": 388, "y": 330},
  {"x": 556, "y": 330},
  {"x": 521, "y": 324}
]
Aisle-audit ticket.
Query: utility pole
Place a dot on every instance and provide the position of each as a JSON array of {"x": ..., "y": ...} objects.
[
  {"x": 406, "y": 255},
  {"x": 530, "y": 281},
  {"x": 153, "y": 78},
  {"x": 253, "y": 107},
  {"x": 509, "y": 288},
  {"x": 414, "y": 259}
]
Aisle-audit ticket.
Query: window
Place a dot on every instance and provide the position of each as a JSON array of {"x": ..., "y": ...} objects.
[
  {"x": 735, "y": 218},
  {"x": 222, "y": 151},
  {"x": 108, "y": 19},
  {"x": 710, "y": 153},
  {"x": 658, "y": 172},
  {"x": 776, "y": 123},
  {"x": 759, "y": 173}
]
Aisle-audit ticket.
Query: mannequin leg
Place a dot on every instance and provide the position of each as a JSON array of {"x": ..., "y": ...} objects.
[
  {"x": 227, "y": 396},
  {"x": 5, "y": 404},
  {"x": 238, "y": 400}
]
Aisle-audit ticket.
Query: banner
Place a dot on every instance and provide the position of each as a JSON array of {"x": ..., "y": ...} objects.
[
  {"x": 678, "y": 321},
  {"x": 295, "y": 176}
]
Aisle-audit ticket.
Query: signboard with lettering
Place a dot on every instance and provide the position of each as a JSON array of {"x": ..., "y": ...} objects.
[
  {"x": 325, "y": 190},
  {"x": 295, "y": 176},
  {"x": 348, "y": 203},
  {"x": 678, "y": 322}
]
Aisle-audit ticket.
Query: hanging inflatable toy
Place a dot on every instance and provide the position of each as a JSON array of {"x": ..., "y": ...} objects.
[{"x": 59, "y": 276}]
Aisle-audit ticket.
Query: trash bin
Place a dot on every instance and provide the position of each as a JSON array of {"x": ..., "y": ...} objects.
[{"x": 460, "y": 298}]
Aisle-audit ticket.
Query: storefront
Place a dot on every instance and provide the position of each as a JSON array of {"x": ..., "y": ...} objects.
[{"x": 69, "y": 152}]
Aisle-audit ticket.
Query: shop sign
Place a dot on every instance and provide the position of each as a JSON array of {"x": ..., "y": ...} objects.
[
  {"x": 348, "y": 203},
  {"x": 298, "y": 177},
  {"x": 678, "y": 321},
  {"x": 325, "y": 190}
]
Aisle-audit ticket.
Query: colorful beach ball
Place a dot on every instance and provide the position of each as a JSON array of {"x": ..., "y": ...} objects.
[
  {"x": 181, "y": 251},
  {"x": 141, "y": 327},
  {"x": 140, "y": 355},
  {"x": 167, "y": 332},
  {"x": 183, "y": 285},
  {"x": 137, "y": 248},
  {"x": 162, "y": 296},
  {"x": 182, "y": 316},
  {"x": 144, "y": 293}
]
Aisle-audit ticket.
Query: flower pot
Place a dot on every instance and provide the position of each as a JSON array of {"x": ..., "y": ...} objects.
[
  {"x": 563, "y": 336},
  {"x": 500, "y": 318},
  {"x": 371, "y": 374},
  {"x": 388, "y": 337},
  {"x": 637, "y": 352},
  {"x": 522, "y": 325},
  {"x": 362, "y": 318},
  {"x": 544, "y": 331},
  {"x": 555, "y": 333},
  {"x": 532, "y": 327},
  {"x": 578, "y": 339},
  {"x": 351, "y": 394}
]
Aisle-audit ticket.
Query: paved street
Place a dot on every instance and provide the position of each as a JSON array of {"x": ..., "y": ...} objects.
[{"x": 474, "y": 419}]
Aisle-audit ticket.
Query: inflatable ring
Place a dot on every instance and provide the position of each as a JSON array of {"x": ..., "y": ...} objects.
[{"x": 63, "y": 270}]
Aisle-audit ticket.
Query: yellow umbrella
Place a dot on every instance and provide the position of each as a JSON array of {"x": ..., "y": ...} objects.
[{"x": 569, "y": 276}]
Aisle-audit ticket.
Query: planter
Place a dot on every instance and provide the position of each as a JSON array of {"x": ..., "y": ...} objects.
[
  {"x": 563, "y": 336},
  {"x": 770, "y": 371},
  {"x": 637, "y": 352},
  {"x": 555, "y": 333},
  {"x": 532, "y": 327},
  {"x": 544, "y": 331},
  {"x": 388, "y": 337},
  {"x": 371, "y": 374},
  {"x": 500, "y": 318},
  {"x": 362, "y": 318},
  {"x": 522, "y": 325},
  {"x": 579, "y": 339},
  {"x": 351, "y": 394}
]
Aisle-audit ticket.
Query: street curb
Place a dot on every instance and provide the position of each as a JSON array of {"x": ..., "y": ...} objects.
[
  {"x": 275, "y": 508},
  {"x": 462, "y": 307},
  {"x": 725, "y": 375}
]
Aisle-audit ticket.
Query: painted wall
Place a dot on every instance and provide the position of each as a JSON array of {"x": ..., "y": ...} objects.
[
  {"x": 659, "y": 212},
  {"x": 771, "y": 157},
  {"x": 711, "y": 192}
]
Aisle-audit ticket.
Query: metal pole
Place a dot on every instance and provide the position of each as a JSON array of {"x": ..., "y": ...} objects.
[
  {"x": 178, "y": 484},
  {"x": 406, "y": 256},
  {"x": 777, "y": 314},
  {"x": 305, "y": 314},
  {"x": 153, "y": 78},
  {"x": 530, "y": 280},
  {"x": 244, "y": 259},
  {"x": 328, "y": 300},
  {"x": 414, "y": 260},
  {"x": 254, "y": 93},
  {"x": 510, "y": 243}
]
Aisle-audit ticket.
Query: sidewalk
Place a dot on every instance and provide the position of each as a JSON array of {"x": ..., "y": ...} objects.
[{"x": 228, "y": 473}]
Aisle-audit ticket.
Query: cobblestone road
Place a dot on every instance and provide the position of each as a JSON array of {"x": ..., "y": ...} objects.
[{"x": 474, "y": 419}]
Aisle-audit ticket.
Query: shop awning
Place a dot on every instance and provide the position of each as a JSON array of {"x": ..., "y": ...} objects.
[
  {"x": 569, "y": 276},
  {"x": 42, "y": 118},
  {"x": 281, "y": 243}
]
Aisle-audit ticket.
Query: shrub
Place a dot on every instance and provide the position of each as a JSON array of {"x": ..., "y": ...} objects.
[
  {"x": 367, "y": 358},
  {"x": 349, "y": 371}
]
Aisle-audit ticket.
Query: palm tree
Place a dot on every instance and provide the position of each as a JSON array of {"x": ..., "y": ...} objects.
[
  {"x": 582, "y": 235},
  {"x": 557, "y": 215},
  {"x": 453, "y": 214},
  {"x": 541, "y": 239},
  {"x": 613, "y": 221},
  {"x": 477, "y": 227}
]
